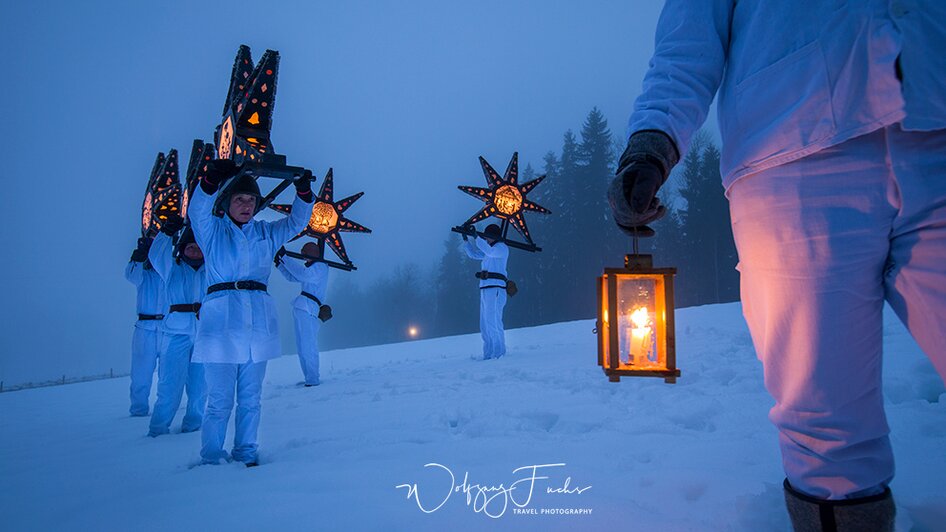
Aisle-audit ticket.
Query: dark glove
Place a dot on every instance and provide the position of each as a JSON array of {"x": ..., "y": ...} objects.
[
  {"x": 325, "y": 313},
  {"x": 304, "y": 185},
  {"x": 642, "y": 170},
  {"x": 218, "y": 171},
  {"x": 465, "y": 236},
  {"x": 140, "y": 254},
  {"x": 172, "y": 225},
  {"x": 277, "y": 260}
]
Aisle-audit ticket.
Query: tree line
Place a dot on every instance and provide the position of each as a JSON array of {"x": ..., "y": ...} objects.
[{"x": 579, "y": 239}]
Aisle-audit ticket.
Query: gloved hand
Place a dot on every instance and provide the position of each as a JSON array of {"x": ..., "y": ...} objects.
[
  {"x": 633, "y": 194},
  {"x": 140, "y": 254},
  {"x": 304, "y": 185},
  {"x": 325, "y": 313},
  {"x": 218, "y": 171},
  {"x": 643, "y": 168},
  {"x": 172, "y": 225}
]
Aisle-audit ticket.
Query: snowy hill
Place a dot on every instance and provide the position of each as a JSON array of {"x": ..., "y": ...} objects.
[{"x": 697, "y": 455}]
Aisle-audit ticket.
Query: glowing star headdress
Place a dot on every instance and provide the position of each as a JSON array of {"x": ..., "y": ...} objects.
[
  {"x": 244, "y": 131},
  {"x": 505, "y": 199},
  {"x": 248, "y": 112},
  {"x": 163, "y": 196},
  {"x": 326, "y": 222}
]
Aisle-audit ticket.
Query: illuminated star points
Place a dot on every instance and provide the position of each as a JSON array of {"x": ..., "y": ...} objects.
[
  {"x": 328, "y": 219},
  {"x": 505, "y": 198}
]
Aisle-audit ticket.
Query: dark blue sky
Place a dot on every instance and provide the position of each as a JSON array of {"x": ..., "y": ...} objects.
[{"x": 399, "y": 97}]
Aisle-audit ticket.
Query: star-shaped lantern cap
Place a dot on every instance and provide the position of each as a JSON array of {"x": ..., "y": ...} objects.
[
  {"x": 201, "y": 154},
  {"x": 505, "y": 198},
  {"x": 163, "y": 197},
  {"x": 244, "y": 132},
  {"x": 328, "y": 219}
]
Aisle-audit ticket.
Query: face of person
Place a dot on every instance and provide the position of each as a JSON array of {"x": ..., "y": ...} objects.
[
  {"x": 242, "y": 207},
  {"x": 192, "y": 251}
]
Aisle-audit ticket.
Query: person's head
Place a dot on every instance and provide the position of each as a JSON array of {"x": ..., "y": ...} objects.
[
  {"x": 188, "y": 247},
  {"x": 192, "y": 251},
  {"x": 311, "y": 249},
  {"x": 244, "y": 196},
  {"x": 493, "y": 233}
]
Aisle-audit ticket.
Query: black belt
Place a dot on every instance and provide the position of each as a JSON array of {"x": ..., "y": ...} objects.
[
  {"x": 186, "y": 307},
  {"x": 484, "y": 275},
  {"x": 312, "y": 297},
  {"x": 150, "y": 317},
  {"x": 237, "y": 285}
]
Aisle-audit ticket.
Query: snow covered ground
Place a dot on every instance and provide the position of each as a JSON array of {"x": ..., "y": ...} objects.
[{"x": 697, "y": 455}]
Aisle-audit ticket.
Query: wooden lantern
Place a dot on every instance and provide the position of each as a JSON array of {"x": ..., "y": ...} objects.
[{"x": 635, "y": 324}]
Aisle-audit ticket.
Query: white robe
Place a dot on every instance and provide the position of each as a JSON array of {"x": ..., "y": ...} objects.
[
  {"x": 239, "y": 326},
  {"x": 793, "y": 79},
  {"x": 305, "y": 313},
  {"x": 152, "y": 296},
  {"x": 492, "y": 294},
  {"x": 314, "y": 280},
  {"x": 493, "y": 259},
  {"x": 183, "y": 284}
]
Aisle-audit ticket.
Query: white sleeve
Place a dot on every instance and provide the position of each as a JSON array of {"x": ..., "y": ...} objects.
[
  {"x": 134, "y": 272},
  {"x": 161, "y": 255},
  {"x": 320, "y": 273},
  {"x": 690, "y": 50},
  {"x": 471, "y": 251},
  {"x": 287, "y": 267},
  {"x": 281, "y": 231},
  {"x": 200, "y": 213},
  {"x": 495, "y": 251}
]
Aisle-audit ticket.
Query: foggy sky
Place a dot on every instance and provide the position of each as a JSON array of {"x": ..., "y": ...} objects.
[{"x": 399, "y": 97}]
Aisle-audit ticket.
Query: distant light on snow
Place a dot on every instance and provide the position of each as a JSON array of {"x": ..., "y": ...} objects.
[{"x": 412, "y": 332}]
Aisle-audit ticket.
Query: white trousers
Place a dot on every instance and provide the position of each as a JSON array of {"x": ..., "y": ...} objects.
[
  {"x": 222, "y": 379},
  {"x": 145, "y": 346},
  {"x": 492, "y": 302},
  {"x": 307, "y": 344},
  {"x": 823, "y": 242},
  {"x": 176, "y": 373}
]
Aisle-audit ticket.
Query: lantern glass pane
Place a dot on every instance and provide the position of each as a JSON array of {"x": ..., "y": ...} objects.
[
  {"x": 640, "y": 321},
  {"x": 604, "y": 335}
]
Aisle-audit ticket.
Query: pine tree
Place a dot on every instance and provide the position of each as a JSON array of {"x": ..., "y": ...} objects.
[
  {"x": 595, "y": 153},
  {"x": 592, "y": 233},
  {"x": 690, "y": 284},
  {"x": 721, "y": 248},
  {"x": 528, "y": 174},
  {"x": 707, "y": 256},
  {"x": 548, "y": 271},
  {"x": 457, "y": 303}
]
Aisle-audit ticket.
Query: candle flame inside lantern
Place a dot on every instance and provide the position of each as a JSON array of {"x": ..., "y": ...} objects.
[
  {"x": 640, "y": 318},
  {"x": 508, "y": 199},
  {"x": 640, "y": 337},
  {"x": 324, "y": 218}
]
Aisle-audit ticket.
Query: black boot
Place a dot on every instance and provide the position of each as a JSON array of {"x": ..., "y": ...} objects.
[{"x": 874, "y": 513}]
